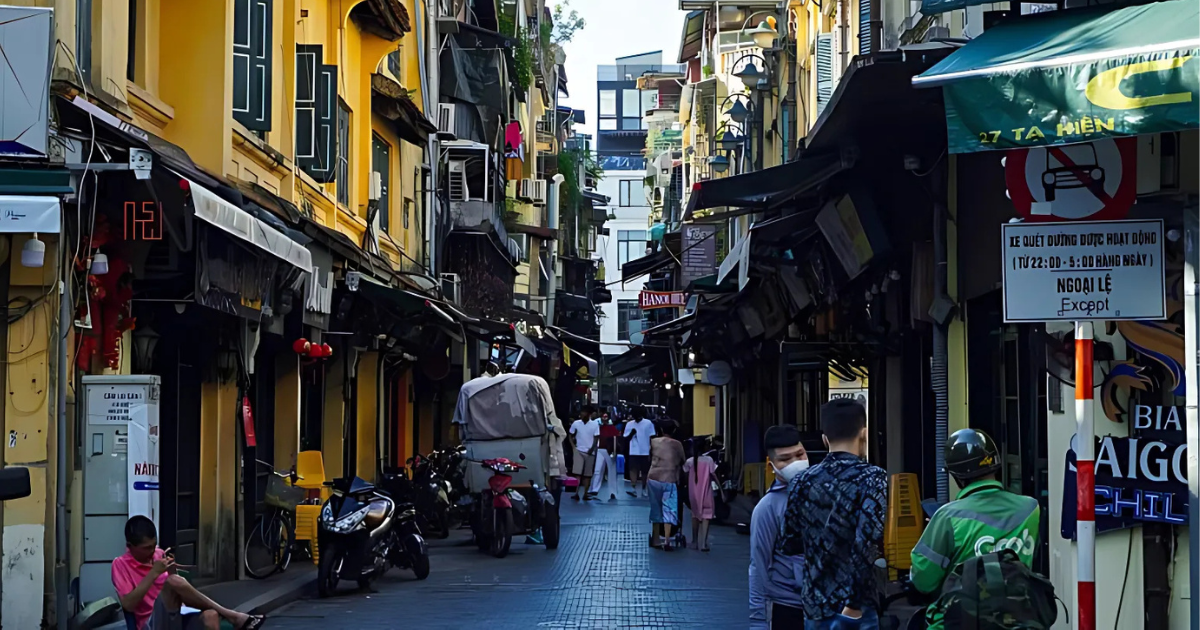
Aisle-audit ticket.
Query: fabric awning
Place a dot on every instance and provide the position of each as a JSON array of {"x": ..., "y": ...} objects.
[
  {"x": 1073, "y": 76},
  {"x": 237, "y": 222},
  {"x": 765, "y": 189},
  {"x": 21, "y": 213},
  {"x": 645, "y": 264},
  {"x": 576, "y": 359}
]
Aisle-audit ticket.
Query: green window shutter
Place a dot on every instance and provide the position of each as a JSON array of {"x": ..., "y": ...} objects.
[{"x": 252, "y": 22}]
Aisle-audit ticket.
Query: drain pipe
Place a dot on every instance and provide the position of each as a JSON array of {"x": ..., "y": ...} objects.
[
  {"x": 62, "y": 550},
  {"x": 941, "y": 312},
  {"x": 552, "y": 220}
]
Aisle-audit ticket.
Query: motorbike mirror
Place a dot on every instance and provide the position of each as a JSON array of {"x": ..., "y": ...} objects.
[
  {"x": 14, "y": 483},
  {"x": 522, "y": 456}
]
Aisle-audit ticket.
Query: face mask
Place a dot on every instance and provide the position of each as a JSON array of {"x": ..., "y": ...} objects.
[{"x": 790, "y": 471}]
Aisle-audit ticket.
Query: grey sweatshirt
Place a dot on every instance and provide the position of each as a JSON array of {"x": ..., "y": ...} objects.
[{"x": 772, "y": 574}]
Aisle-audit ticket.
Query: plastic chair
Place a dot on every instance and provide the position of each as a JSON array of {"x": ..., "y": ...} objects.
[{"x": 310, "y": 466}]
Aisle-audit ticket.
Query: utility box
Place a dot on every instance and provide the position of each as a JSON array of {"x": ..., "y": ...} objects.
[{"x": 120, "y": 470}]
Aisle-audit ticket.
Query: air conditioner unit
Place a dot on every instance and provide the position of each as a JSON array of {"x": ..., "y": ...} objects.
[
  {"x": 525, "y": 190},
  {"x": 451, "y": 287},
  {"x": 458, "y": 180},
  {"x": 538, "y": 191},
  {"x": 446, "y": 118}
]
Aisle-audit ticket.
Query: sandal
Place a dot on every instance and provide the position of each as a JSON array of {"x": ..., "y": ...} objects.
[{"x": 253, "y": 622}]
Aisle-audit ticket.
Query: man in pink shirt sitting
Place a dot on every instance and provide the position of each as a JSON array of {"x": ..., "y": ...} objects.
[{"x": 149, "y": 587}]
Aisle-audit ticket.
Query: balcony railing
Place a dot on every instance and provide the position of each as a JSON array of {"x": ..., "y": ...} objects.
[{"x": 478, "y": 216}]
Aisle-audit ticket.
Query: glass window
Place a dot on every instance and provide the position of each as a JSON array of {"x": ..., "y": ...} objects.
[
  {"x": 522, "y": 242},
  {"x": 631, "y": 124},
  {"x": 608, "y": 102},
  {"x": 631, "y": 245},
  {"x": 381, "y": 163},
  {"x": 631, "y": 103},
  {"x": 627, "y": 311},
  {"x": 608, "y": 124},
  {"x": 631, "y": 193}
]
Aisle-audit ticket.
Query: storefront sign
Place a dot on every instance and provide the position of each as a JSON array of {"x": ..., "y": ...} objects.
[
  {"x": 648, "y": 300},
  {"x": 699, "y": 255},
  {"x": 143, "y": 221},
  {"x": 1095, "y": 181},
  {"x": 1097, "y": 270},
  {"x": 839, "y": 222},
  {"x": 1074, "y": 103},
  {"x": 1138, "y": 479}
]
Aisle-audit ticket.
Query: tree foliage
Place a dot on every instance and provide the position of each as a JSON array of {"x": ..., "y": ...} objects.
[{"x": 566, "y": 23}]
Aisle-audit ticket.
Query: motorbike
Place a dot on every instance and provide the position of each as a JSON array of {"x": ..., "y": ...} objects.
[
  {"x": 362, "y": 532},
  {"x": 426, "y": 490},
  {"x": 504, "y": 511}
]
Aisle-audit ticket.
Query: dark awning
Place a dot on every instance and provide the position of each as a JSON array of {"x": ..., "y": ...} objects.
[
  {"x": 645, "y": 264},
  {"x": 876, "y": 106},
  {"x": 692, "y": 39},
  {"x": 346, "y": 248},
  {"x": 391, "y": 101},
  {"x": 675, "y": 327},
  {"x": 596, "y": 197},
  {"x": 399, "y": 302},
  {"x": 635, "y": 359},
  {"x": 1074, "y": 75},
  {"x": 504, "y": 333},
  {"x": 765, "y": 189}
]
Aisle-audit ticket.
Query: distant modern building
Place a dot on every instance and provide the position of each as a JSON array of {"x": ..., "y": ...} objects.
[{"x": 621, "y": 129}]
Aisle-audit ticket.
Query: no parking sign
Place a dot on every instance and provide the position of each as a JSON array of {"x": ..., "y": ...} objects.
[{"x": 1094, "y": 181}]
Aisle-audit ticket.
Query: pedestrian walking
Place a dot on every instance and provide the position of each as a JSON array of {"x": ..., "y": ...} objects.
[
  {"x": 666, "y": 460},
  {"x": 700, "y": 470},
  {"x": 774, "y": 589},
  {"x": 606, "y": 462},
  {"x": 834, "y": 517},
  {"x": 585, "y": 431},
  {"x": 640, "y": 431}
]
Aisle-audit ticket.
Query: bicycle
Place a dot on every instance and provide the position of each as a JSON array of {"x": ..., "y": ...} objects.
[{"x": 271, "y": 540}]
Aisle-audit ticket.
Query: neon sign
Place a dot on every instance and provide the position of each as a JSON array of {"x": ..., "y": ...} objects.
[{"x": 143, "y": 221}]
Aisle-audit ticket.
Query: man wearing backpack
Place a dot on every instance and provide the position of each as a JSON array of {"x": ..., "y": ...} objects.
[{"x": 985, "y": 519}]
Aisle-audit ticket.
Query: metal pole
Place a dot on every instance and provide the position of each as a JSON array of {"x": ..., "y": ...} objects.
[
  {"x": 1191, "y": 328},
  {"x": 61, "y": 546},
  {"x": 1085, "y": 479}
]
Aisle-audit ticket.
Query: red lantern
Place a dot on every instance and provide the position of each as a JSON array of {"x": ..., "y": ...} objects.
[
  {"x": 301, "y": 346},
  {"x": 315, "y": 351},
  {"x": 326, "y": 350}
]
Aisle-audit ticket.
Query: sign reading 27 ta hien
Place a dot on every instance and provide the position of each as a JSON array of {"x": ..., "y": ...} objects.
[{"x": 1073, "y": 76}]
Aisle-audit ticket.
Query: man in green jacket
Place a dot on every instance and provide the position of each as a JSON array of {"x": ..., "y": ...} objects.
[{"x": 984, "y": 518}]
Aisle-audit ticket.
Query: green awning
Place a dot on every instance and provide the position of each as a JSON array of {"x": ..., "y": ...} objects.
[
  {"x": 1073, "y": 76},
  {"x": 35, "y": 181}
]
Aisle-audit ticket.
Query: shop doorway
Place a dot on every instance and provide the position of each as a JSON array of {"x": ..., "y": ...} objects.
[{"x": 180, "y": 453}]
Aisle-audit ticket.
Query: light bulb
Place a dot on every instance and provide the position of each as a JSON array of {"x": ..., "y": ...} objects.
[
  {"x": 99, "y": 264},
  {"x": 668, "y": 387},
  {"x": 33, "y": 254}
]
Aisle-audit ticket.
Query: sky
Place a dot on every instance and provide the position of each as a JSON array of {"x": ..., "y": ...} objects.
[{"x": 616, "y": 28}]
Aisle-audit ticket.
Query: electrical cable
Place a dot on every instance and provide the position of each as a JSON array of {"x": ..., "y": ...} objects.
[{"x": 1125, "y": 581}]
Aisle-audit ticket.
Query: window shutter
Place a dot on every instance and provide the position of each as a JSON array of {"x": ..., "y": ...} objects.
[
  {"x": 252, "y": 63},
  {"x": 316, "y": 112},
  {"x": 824, "y": 70},
  {"x": 864, "y": 27}
]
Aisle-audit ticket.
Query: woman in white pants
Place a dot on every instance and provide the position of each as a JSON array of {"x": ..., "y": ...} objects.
[{"x": 606, "y": 460}]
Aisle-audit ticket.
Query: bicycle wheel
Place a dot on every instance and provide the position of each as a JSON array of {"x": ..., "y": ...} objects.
[{"x": 268, "y": 547}]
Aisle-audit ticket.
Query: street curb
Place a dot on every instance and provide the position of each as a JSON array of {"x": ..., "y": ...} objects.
[{"x": 286, "y": 592}]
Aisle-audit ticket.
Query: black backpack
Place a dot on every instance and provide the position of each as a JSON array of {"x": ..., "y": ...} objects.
[{"x": 997, "y": 591}]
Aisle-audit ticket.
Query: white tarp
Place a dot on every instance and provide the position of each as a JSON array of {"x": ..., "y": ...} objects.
[
  {"x": 233, "y": 220},
  {"x": 504, "y": 406},
  {"x": 19, "y": 213}
]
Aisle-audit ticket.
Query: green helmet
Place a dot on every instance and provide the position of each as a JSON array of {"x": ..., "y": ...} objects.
[{"x": 971, "y": 454}]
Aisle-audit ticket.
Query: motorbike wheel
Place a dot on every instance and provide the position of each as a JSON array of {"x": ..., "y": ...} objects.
[
  {"x": 442, "y": 516},
  {"x": 328, "y": 566},
  {"x": 502, "y": 538},
  {"x": 420, "y": 566},
  {"x": 550, "y": 527}
]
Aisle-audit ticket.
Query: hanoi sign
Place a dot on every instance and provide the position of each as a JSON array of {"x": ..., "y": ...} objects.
[
  {"x": 1083, "y": 270},
  {"x": 656, "y": 299}
]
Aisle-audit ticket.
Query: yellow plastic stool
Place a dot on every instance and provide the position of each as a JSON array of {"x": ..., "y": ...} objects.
[{"x": 310, "y": 466}]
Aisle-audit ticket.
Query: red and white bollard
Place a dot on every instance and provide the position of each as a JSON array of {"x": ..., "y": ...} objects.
[{"x": 1085, "y": 479}]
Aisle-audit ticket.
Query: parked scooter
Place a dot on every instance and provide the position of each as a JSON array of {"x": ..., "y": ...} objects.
[
  {"x": 426, "y": 490},
  {"x": 504, "y": 511},
  {"x": 362, "y": 532}
]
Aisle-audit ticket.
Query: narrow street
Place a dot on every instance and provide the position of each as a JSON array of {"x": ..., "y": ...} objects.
[{"x": 602, "y": 576}]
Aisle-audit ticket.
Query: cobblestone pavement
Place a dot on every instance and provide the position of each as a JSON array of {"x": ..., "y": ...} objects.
[{"x": 603, "y": 575}]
